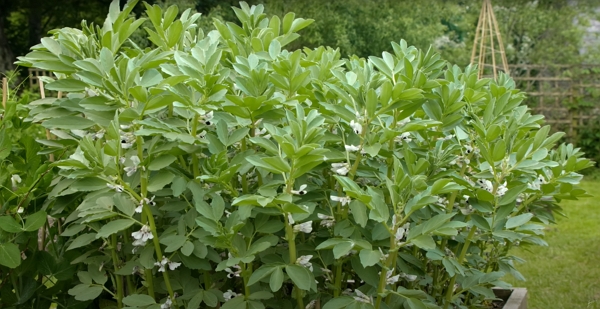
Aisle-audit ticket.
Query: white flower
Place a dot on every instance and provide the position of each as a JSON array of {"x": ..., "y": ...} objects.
[
  {"x": 98, "y": 135},
  {"x": 20, "y": 210},
  {"x": 468, "y": 149},
  {"x": 167, "y": 304},
  {"x": 501, "y": 190},
  {"x": 15, "y": 179},
  {"x": 127, "y": 139},
  {"x": 147, "y": 201},
  {"x": 351, "y": 148},
  {"x": 301, "y": 191},
  {"x": 166, "y": 262},
  {"x": 537, "y": 183},
  {"x": 401, "y": 231},
  {"x": 383, "y": 257},
  {"x": 442, "y": 201},
  {"x": 344, "y": 200},
  {"x": 356, "y": 127},
  {"x": 161, "y": 265},
  {"x": 403, "y": 122},
  {"x": 408, "y": 277},
  {"x": 130, "y": 170},
  {"x": 142, "y": 236},
  {"x": 389, "y": 279},
  {"x": 466, "y": 210},
  {"x": 207, "y": 118},
  {"x": 229, "y": 295},
  {"x": 311, "y": 305},
  {"x": 362, "y": 297},
  {"x": 231, "y": 273},
  {"x": 117, "y": 188},
  {"x": 173, "y": 265},
  {"x": 485, "y": 184},
  {"x": 305, "y": 227},
  {"x": 290, "y": 218},
  {"x": 327, "y": 221},
  {"x": 403, "y": 137},
  {"x": 304, "y": 261},
  {"x": 446, "y": 138},
  {"x": 340, "y": 168}
]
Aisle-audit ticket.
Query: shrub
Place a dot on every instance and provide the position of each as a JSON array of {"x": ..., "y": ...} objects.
[{"x": 222, "y": 170}]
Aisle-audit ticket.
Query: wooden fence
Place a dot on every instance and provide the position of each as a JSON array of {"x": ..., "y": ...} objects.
[{"x": 569, "y": 96}]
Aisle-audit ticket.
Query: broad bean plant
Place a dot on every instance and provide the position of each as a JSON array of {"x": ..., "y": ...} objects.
[{"x": 220, "y": 170}]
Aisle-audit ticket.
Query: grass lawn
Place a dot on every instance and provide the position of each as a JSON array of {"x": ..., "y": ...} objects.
[{"x": 566, "y": 274}]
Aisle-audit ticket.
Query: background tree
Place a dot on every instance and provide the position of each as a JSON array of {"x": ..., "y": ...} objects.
[{"x": 536, "y": 32}]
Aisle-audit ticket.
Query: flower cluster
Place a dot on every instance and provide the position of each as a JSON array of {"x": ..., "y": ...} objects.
[
  {"x": 142, "y": 236},
  {"x": 166, "y": 262}
]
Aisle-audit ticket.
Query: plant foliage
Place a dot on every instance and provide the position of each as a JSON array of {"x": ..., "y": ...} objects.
[{"x": 223, "y": 170}]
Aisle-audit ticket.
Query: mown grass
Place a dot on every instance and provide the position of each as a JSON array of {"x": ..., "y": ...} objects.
[{"x": 566, "y": 274}]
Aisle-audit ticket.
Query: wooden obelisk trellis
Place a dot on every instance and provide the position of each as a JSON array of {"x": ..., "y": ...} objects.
[{"x": 488, "y": 48}]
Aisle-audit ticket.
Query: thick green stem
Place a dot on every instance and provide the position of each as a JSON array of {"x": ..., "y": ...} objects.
[
  {"x": 118, "y": 278},
  {"x": 143, "y": 187},
  {"x": 461, "y": 257},
  {"x": 338, "y": 279},
  {"x": 158, "y": 251},
  {"x": 388, "y": 264},
  {"x": 291, "y": 238},
  {"x": 244, "y": 178},
  {"x": 246, "y": 276},
  {"x": 194, "y": 156}
]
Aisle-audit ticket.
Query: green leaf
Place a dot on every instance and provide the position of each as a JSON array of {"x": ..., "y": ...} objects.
[
  {"x": 138, "y": 300},
  {"x": 424, "y": 242},
  {"x": 88, "y": 184},
  {"x": 161, "y": 162},
  {"x": 276, "y": 279},
  {"x": 511, "y": 194},
  {"x": 151, "y": 78},
  {"x": 8, "y": 224},
  {"x": 339, "y": 302},
  {"x": 83, "y": 292},
  {"x": 67, "y": 85},
  {"x": 124, "y": 204},
  {"x": 187, "y": 248},
  {"x": 196, "y": 300},
  {"x": 114, "y": 227},
  {"x": 68, "y": 122},
  {"x": 35, "y": 221},
  {"x": 173, "y": 242},
  {"x": 301, "y": 276},
  {"x": 160, "y": 180},
  {"x": 260, "y": 273},
  {"x": 413, "y": 303},
  {"x": 369, "y": 257},
  {"x": 82, "y": 240},
  {"x": 518, "y": 220},
  {"x": 10, "y": 256},
  {"x": 342, "y": 248},
  {"x": 359, "y": 212}
]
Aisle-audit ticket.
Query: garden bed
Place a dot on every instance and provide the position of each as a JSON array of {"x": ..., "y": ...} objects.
[{"x": 515, "y": 298}]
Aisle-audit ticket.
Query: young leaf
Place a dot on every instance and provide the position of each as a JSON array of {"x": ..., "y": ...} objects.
[
  {"x": 301, "y": 276},
  {"x": 114, "y": 227},
  {"x": 35, "y": 221},
  {"x": 518, "y": 220},
  {"x": 8, "y": 224},
  {"x": 138, "y": 300},
  {"x": 10, "y": 255}
]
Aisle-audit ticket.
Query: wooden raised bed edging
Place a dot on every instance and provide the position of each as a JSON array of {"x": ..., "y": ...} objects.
[{"x": 515, "y": 298}]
